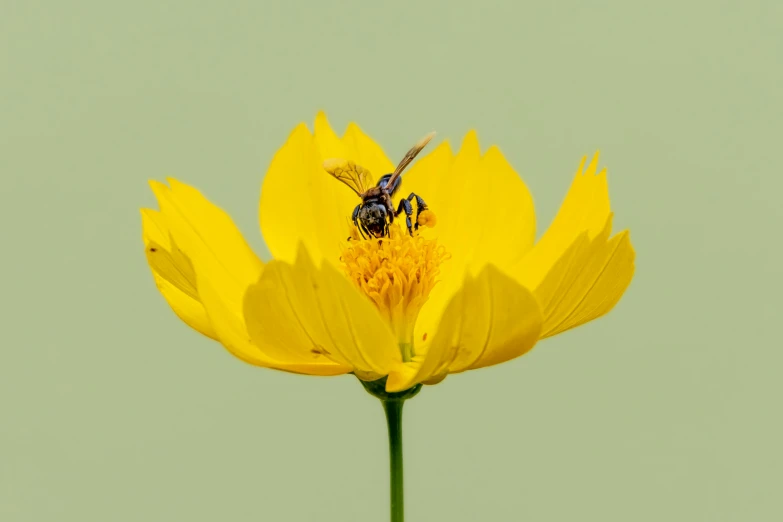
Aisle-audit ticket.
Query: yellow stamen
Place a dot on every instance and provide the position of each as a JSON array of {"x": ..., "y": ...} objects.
[{"x": 397, "y": 273}]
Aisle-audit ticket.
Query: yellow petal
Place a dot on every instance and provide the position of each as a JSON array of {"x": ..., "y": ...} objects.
[
  {"x": 585, "y": 209},
  {"x": 304, "y": 314},
  {"x": 301, "y": 202},
  {"x": 495, "y": 318},
  {"x": 492, "y": 319},
  {"x": 485, "y": 211},
  {"x": 173, "y": 273},
  {"x": 328, "y": 143},
  {"x": 586, "y": 281},
  {"x": 508, "y": 215},
  {"x": 288, "y": 210},
  {"x": 232, "y": 332},
  {"x": 464, "y": 189},
  {"x": 578, "y": 272},
  {"x": 223, "y": 263},
  {"x": 208, "y": 236},
  {"x": 485, "y": 215}
]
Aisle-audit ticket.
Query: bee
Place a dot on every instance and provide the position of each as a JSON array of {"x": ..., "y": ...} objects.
[{"x": 376, "y": 211}]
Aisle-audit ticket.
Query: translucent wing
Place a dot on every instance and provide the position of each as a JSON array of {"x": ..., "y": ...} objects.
[
  {"x": 353, "y": 175},
  {"x": 409, "y": 156}
]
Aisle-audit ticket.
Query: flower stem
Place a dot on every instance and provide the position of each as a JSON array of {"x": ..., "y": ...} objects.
[
  {"x": 393, "y": 409},
  {"x": 392, "y": 405}
]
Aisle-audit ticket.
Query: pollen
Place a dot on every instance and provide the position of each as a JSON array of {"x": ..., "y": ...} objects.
[
  {"x": 427, "y": 219},
  {"x": 397, "y": 273}
]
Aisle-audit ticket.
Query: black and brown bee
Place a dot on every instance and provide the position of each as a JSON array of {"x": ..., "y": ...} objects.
[{"x": 376, "y": 211}]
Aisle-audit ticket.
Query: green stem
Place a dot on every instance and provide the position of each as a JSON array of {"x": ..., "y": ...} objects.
[
  {"x": 392, "y": 405},
  {"x": 393, "y": 409}
]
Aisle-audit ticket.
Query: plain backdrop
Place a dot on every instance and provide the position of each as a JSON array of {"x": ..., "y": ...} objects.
[{"x": 666, "y": 409}]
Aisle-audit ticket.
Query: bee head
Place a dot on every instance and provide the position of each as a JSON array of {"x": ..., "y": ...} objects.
[{"x": 373, "y": 217}]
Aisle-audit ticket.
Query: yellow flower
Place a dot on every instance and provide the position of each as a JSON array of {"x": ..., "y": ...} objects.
[{"x": 473, "y": 290}]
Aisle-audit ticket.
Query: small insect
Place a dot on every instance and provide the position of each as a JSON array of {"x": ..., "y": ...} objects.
[{"x": 376, "y": 211}]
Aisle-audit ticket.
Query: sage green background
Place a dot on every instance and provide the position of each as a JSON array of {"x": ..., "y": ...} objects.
[{"x": 667, "y": 409}]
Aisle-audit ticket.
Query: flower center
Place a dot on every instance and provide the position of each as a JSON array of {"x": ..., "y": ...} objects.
[{"x": 397, "y": 273}]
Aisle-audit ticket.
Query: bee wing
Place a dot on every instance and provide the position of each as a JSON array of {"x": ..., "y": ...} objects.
[
  {"x": 353, "y": 175},
  {"x": 409, "y": 156}
]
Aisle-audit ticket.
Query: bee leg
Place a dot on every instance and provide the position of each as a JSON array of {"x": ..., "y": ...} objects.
[
  {"x": 355, "y": 215},
  {"x": 389, "y": 204},
  {"x": 405, "y": 206},
  {"x": 354, "y": 218},
  {"x": 421, "y": 206}
]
